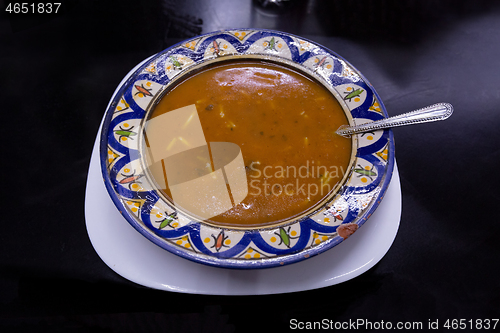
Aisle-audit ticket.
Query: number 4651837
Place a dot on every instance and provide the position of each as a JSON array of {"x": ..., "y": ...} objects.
[{"x": 33, "y": 8}]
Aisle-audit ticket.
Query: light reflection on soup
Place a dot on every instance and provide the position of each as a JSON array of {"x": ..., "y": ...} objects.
[{"x": 284, "y": 124}]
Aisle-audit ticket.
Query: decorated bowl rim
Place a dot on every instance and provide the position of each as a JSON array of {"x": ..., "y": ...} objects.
[{"x": 278, "y": 260}]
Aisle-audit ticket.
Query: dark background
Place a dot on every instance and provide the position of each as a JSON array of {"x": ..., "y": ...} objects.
[{"x": 58, "y": 72}]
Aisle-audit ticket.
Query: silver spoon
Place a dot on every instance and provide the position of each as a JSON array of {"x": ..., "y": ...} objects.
[{"x": 440, "y": 111}]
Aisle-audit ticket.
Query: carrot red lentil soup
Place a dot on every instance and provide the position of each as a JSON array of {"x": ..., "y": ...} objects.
[{"x": 284, "y": 124}]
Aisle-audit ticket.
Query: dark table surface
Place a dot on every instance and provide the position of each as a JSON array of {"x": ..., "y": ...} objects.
[{"x": 58, "y": 72}]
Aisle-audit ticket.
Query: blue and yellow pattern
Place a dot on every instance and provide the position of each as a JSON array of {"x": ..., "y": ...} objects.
[{"x": 159, "y": 221}]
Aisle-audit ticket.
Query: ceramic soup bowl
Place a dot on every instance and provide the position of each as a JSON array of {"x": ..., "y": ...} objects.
[{"x": 126, "y": 162}]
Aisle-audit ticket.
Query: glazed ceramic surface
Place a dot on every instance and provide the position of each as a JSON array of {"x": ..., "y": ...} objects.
[
  {"x": 137, "y": 259},
  {"x": 158, "y": 219}
]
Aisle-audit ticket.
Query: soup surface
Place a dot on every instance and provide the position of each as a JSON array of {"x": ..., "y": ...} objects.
[{"x": 284, "y": 124}]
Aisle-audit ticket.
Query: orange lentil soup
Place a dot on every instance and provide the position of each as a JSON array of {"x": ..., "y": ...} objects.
[{"x": 283, "y": 122}]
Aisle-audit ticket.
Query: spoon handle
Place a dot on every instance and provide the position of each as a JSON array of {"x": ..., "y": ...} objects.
[{"x": 435, "y": 112}]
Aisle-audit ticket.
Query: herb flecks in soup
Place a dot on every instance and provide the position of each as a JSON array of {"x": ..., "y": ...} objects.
[{"x": 283, "y": 122}]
